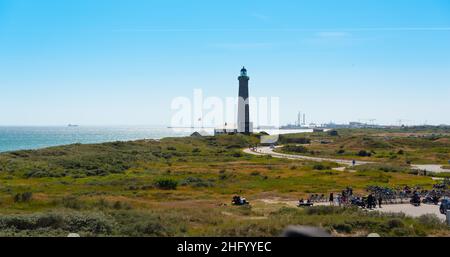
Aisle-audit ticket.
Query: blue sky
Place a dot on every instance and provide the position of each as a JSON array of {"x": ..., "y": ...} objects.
[{"x": 117, "y": 62}]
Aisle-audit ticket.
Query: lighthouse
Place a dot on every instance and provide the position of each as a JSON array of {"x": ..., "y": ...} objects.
[{"x": 243, "y": 122}]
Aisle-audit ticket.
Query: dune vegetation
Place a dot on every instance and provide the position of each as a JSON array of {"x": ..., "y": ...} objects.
[
  {"x": 400, "y": 146},
  {"x": 184, "y": 186}
]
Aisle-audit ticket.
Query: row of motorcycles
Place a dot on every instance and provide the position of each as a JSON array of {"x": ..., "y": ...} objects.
[{"x": 415, "y": 200}]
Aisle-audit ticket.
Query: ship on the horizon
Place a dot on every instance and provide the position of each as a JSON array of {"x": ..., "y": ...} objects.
[{"x": 72, "y": 125}]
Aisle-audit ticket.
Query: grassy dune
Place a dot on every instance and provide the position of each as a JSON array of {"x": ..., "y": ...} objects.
[
  {"x": 183, "y": 186},
  {"x": 416, "y": 146}
]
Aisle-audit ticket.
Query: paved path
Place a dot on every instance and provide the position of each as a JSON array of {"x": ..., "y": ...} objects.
[
  {"x": 407, "y": 209},
  {"x": 413, "y": 211},
  {"x": 436, "y": 168},
  {"x": 265, "y": 150}
]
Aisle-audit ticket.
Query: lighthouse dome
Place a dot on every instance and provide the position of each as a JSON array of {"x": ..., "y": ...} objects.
[{"x": 243, "y": 71}]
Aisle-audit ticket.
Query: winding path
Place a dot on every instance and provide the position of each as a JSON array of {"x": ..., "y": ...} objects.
[{"x": 265, "y": 150}]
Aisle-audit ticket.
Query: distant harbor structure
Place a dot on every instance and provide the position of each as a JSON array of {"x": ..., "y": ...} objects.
[{"x": 299, "y": 124}]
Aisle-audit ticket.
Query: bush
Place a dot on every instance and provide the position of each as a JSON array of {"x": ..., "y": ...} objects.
[
  {"x": 237, "y": 154},
  {"x": 333, "y": 133},
  {"x": 364, "y": 153},
  {"x": 341, "y": 151},
  {"x": 71, "y": 202},
  {"x": 402, "y": 231},
  {"x": 292, "y": 140},
  {"x": 196, "y": 182},
  {"x": 321, "y": 167},
  {"x": 91, "y": 223},
  {"x": 121, "y": 205},
  {"x": 166, "y": 184},
  {"x": 382, "y": 167},
  {"x": 324, "y": 210},
  {"x": 430, "y": 221},
  {"x": 295, "y": 149},
  {"x": 395, "y": 223},
  {"x": 343, "y": 228},
  {"x": 23, "y": 197},
  {"x": 147, "y": 228}
]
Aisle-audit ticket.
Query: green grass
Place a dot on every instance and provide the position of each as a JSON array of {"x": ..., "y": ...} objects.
[
  {"x": 182, "y": 187},
  {"x": 210, "y": 222},
  {"x": 411, "y": 145}
]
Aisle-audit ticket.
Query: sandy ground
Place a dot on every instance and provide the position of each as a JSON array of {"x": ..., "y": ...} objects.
[
  {"x": 430, "y": 167},
  {"x": 407, "y": 209},
  {"x": 410, "y": 210}
]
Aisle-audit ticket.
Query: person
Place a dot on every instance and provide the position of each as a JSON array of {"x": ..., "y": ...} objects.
[
  {"x": 354, "y": 162},
  {"x": 301, "y": 201},
  {"x": 331, "y": 199},
  {"x": 380, "y": 200},
  {"x": 370, "y": 201}
]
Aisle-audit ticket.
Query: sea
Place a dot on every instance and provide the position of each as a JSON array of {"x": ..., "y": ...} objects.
[{"x": 28, "y": 138}]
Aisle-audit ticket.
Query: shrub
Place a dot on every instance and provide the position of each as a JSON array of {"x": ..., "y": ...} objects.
[
  {"x": 324, "y": 210},
  {"x": 333, "y": 133},
  {"x": 292, "y": 140},
  {"x": 91, "y": 223},
  {"x": 102, "y": 204},
  {"x": 237, "y": 154},
  {"x": 402, "y": 231},
  {"x": 166, "y": 184},
  {"x": 196, "y": 182},
  {"x": 430, "y": 221},
  {"x": 382, "y": 167},
  {"x": 364, "y": 153},
  {"x": 295, "y": 149},
  {"x": 23, "y": 197},
  {"x": 320, "y": 167},
  {"x": 71, "y": 202},
  {"x": 118, "y": 205},
  {"x": 395, "y": 223},
  {"x": 147, "y": 228},
  {"x": 223, "y": 176},
  {"x": 343, "y": 228}
]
